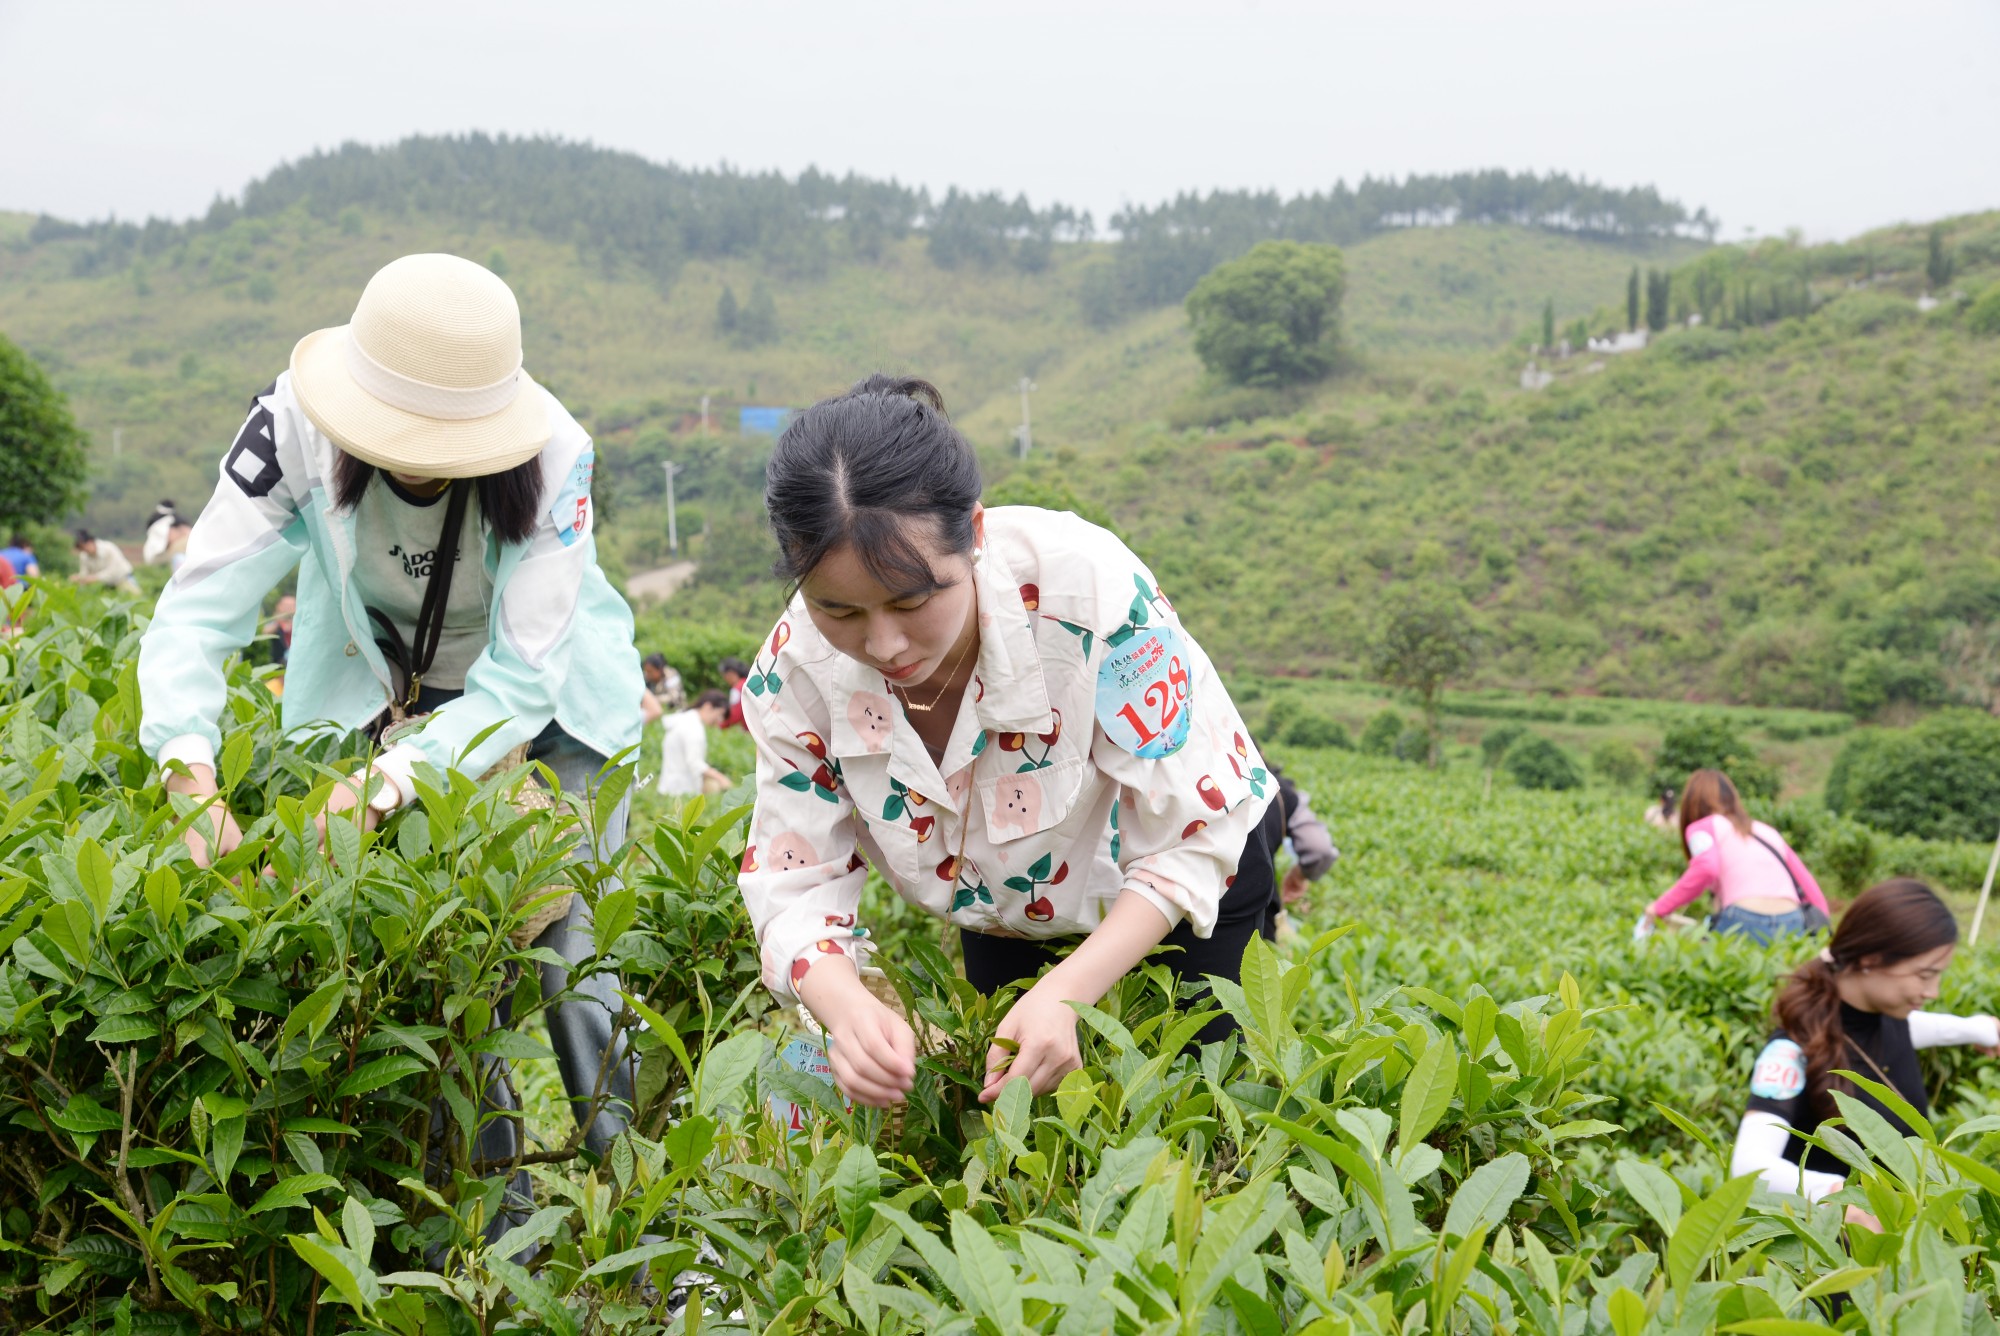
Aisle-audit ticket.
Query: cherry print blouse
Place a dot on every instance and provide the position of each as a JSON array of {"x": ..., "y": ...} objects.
[{"x": 1095, "y": 751}]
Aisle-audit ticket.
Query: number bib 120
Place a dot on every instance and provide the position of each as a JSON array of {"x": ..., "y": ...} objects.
[{"x": 1144, "y": 701}]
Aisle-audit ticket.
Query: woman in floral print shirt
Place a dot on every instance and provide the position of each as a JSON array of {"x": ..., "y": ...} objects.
[{"x": 998, "y": 710}]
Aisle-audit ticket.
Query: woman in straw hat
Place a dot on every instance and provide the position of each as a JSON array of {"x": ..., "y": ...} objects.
[{"x": 436, "y": 502}]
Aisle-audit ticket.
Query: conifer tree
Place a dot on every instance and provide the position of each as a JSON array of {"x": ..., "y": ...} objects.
[
  {"x": 1549, "y": 324},
  {"x": 1659, "y": 292},
  {"x": 1632, "y": 299},
  {"x": 725, "y": 311},
  {"x": 1939, "y": 266},
  {"x": 759, "y": 321}
]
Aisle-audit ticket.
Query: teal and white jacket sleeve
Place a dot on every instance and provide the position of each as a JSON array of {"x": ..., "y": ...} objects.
[{"x": 250, "y": 534}]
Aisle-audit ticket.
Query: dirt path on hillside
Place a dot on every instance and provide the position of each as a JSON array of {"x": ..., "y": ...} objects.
[{"x": 660, "y": 584}]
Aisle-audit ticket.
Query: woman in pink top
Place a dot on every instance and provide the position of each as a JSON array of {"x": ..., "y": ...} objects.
[{"x": 1762, "y": 890}]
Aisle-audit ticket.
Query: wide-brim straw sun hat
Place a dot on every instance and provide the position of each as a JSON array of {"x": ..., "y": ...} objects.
[{"x": 426, "y": 379}]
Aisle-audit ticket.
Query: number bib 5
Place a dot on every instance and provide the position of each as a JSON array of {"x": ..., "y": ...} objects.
[{"x": 1144, "y": 700}]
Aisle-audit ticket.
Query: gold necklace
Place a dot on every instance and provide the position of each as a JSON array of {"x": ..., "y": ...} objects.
[{"x": 909, "y": 704}]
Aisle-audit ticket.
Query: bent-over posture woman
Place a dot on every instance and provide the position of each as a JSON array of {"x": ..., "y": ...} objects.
[
  {"x": 1762, "y": 890},
  {"x": 1857, "y": 1006},
  {"x": 436, "y": 502},
  {"x": 998, "y": 710}
]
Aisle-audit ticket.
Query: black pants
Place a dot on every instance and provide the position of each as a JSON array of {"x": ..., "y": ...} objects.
[{"x": 1250, "y": 905}]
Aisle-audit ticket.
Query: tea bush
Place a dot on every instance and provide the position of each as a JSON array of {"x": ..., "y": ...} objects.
[
  {"x": 1537, "y": 763},
  {"x": 240, "y": 1099},
  {"x": 1495, "y": 741},
  {"x": 1316, "y": 730},
  {"x": 1939, "y": 779},
  {"x": 1618, "y": 763},
  {"x": 1379, "y": 738},
  {"x": 1711, "y": 742}
]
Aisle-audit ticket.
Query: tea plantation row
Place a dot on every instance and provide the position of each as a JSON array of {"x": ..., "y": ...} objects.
[{"x": 241, "y": 1099}]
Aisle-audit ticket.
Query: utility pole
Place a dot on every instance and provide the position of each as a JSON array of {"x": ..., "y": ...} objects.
[
  {"x": 704, "y": 415},
  {"x": 673, "y": 530},
  {"x": 1024, "y": 435}
]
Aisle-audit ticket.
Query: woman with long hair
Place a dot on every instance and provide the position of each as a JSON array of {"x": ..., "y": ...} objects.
[
  {"x": 1000, "y": 712},
  {"x": 1762, "y": 890},
  {"x": 1857, "y": 1006}
]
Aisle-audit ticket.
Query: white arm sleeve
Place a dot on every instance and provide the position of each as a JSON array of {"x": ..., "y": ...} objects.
[
  {"x": 1760, "y": 1150},
  {"x": 1935, "y": 1029}
]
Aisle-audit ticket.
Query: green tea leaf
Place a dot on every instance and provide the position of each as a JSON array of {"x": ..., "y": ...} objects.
[
  {"x": 234, "y": 759},
  {"x": 725, "y": 1067},
  {"x": 856, "y": 1188},
  {"x": 293, "y": 1191},
  {"x": 990, "y": 1286},
  {"x": 1627, "y": 1312},
  {"x": 354, "y": 1282},
  {"x": 1428, "y": 1089},
  {"x": 1487, "y": 1194},
  {"x": 1655, "y": 1191},
  {"x": 1262, "y": 979},
  {"x": 124, "y": 1029},
  {"x": 1477, "y": 1028},
  {"x": 93, "y": 870},
  {"x": 631, "y": 1257},
  {"x": 614, "y": 913},
  {"x": 383, "y": 1071},
  {"x": 531, "y": 1233},
  {"x": 1704, "y": 1231},
  {"x": 1230, "y": 1236},
  {"x": 1883, "y": 1141}
]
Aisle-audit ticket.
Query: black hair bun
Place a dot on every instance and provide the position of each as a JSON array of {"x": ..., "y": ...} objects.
[{"x": 902, "y": 387}]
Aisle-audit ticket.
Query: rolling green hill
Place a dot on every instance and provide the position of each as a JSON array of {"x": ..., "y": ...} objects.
[
  {"x": 1796, "y": 514},
  {"x": 1790, "y": 505},
  {"x": 164, "y": 351}
]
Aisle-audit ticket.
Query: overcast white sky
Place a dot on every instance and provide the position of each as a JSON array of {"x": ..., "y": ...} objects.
[{"x": 1830, "y": 116}]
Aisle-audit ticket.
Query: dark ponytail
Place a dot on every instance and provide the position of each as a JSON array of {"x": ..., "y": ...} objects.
[
  {"x": 855, "y": 470},
  {"x": 1888, "y": 922}
]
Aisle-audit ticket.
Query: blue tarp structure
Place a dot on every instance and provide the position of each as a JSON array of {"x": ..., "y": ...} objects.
[{"x": 763, "y": 421}]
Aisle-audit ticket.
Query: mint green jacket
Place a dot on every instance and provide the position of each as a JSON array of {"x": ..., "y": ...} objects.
[{"x": 562, "y": 639}]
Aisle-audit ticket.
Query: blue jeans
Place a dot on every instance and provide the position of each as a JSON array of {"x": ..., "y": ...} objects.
[{"x": 1762, "y": 929}]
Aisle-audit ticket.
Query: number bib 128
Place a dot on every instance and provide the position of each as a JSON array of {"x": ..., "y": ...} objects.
[{"x": 1144, "y": 700}]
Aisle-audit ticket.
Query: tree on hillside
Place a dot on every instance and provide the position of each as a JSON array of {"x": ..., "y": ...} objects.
[
  {"x": 1939, "y": 265},
  {"x": 1271, "y": 318},
  {"x": 1632, "y": 299},
  {"x": 42, "y": 463},
  {"x": 1549, "y": 324},
  {"x": 1711, "y": 742},
  {"x": 1427, "y": 639},
  {"x": 726, "y": 314},
  {"x": 1659, "y": 295},
  {"x": 758, "y": 323}
]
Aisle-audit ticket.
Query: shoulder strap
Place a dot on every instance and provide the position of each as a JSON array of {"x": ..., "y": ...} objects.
[
  {"x": 415, "y": 659},
  {"x": 1773, "y": 849},
  {"x": 1869, "y": 1058}
]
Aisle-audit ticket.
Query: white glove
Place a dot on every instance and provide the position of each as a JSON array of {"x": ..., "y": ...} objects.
[{"x": 1643, "y": 928}]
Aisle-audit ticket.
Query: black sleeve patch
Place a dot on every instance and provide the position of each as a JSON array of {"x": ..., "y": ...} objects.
[{"x": 252, "y": 462}]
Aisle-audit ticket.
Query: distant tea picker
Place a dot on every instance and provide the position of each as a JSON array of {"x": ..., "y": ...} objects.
[
  {"x": 436, "y": 503},
  {"x": 1762, "y": 889},
  {"x": 999, "y": 710}
]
